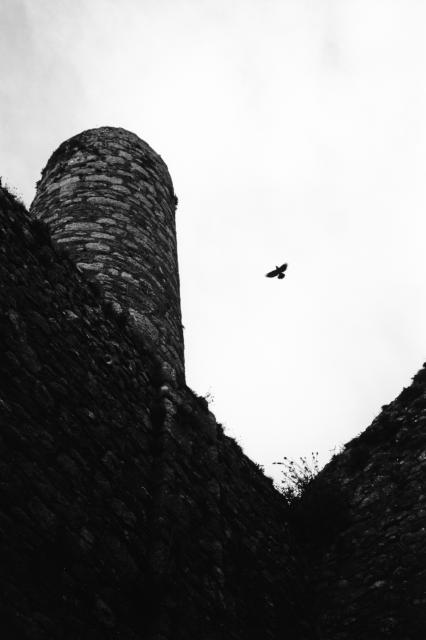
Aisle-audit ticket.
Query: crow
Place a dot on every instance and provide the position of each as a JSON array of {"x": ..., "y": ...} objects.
[{"x": 278, "y": 271}]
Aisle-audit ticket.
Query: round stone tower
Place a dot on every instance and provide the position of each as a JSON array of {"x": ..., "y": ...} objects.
[{"x": 108, "y": 198}]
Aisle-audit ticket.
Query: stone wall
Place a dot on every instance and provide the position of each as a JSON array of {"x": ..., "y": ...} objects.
[
  {"x": 108, "y": 198},
  {"x": 125, "y": 512},
  {"x": 224, "y": 529},
  {"x": 76, "y": 447},
  {"x": 370, "y": 573}
]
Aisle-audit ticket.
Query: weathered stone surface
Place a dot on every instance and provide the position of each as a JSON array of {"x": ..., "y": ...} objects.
[
  {"x": 80, "y": 226},
  {"x": 121, "y": 514},
  {"x": 369, "y": 577},
  {"x": 106, "y": 221},
  {"x": 110, "y": 179},
  {"x": 90, "y": 266},
  {"x": 97, "y": 247}
]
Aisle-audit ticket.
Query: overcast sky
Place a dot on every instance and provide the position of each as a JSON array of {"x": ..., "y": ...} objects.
[{"x": 294, "y": 130}]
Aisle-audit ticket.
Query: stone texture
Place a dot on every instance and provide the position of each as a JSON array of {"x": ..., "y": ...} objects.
[
  {"x": 125, "y": 512},
  {"x": 370, "y": 578},
  {"x": 108, "y": 176}
]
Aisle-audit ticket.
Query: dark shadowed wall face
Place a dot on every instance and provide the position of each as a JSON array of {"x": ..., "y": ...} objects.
[
  {"x": 108, "y": 198},
  {"x": 125, "y": 511}
]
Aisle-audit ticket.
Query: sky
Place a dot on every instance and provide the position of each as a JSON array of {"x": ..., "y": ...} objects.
[{"x": 294, "y": 131}]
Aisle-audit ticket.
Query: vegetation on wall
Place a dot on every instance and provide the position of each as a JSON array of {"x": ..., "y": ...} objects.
[{"x": 317, "y": 508}]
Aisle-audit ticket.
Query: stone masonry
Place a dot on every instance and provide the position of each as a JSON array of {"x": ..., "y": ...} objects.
[
  {"x": 126, "y": 513},
  {"x": 108, "y": 198}
]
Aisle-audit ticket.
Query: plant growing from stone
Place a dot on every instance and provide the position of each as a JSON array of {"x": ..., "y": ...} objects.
[{"x": 297, "y": 475}]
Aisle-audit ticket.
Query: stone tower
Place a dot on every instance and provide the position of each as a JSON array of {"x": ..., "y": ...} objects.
[{"x": 108, "y": 198}]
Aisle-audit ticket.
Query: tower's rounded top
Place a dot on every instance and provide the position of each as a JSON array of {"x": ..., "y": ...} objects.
[{"x": 105, "y": 143}]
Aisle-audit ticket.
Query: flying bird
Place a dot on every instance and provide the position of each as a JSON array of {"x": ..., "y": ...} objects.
[{"x": 278, "y": 271}]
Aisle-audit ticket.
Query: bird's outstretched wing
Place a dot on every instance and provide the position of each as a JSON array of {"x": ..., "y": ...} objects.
[
  {"x": 272, "y": 274},
  {"x": 283, "y": 267}
]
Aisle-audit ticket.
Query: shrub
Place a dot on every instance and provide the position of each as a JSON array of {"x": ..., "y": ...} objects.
[{"x": 297, "y": 476}]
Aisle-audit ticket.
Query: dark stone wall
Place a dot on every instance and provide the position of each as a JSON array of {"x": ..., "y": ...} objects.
[
  {"x": 223, "y": 529},
  {"x": 76, "y": 442},
  {"x": 108, "y": 198},
  {"x": 371, "y": 570},
  {"x": 125, "y": 512}
]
